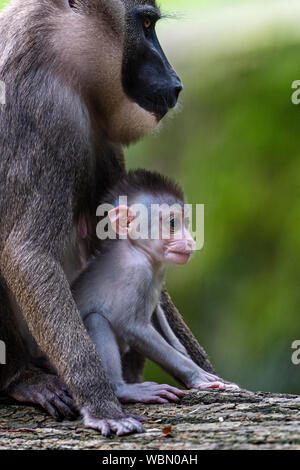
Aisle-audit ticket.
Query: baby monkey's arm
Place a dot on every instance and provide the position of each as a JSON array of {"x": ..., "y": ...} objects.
[{"x": 166, "y": 350}]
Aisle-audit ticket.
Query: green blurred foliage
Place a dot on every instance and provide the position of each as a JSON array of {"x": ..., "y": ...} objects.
[{"x": 235, "y": 147}]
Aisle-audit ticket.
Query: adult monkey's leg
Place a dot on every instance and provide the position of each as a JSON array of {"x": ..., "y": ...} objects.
[
  {"x": 16, "y": 355},
  {"x": 19, "y": 378},
  {"x": 184, "y": 334}
]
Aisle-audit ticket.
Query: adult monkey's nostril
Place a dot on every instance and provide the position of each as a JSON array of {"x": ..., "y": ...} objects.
[
  {"x": 177, "y": 90},
  {"x": 174, "y": 92}
]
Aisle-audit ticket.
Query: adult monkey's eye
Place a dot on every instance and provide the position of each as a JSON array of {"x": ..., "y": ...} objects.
[{"x": 147, "y": 23}]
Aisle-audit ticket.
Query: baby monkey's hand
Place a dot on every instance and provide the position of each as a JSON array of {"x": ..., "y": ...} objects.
[
  {"x": 148, "y": 392},
  {"x": 205, "y": 380}
]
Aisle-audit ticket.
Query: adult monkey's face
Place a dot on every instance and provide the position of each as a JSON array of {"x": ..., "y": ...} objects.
[
  {"x": 150, "y": 86},
  {"x": 120, "y": 66},
  {"x": 148, "y": 78}
]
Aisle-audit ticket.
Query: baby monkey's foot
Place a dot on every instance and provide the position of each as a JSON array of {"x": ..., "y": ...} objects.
[
  {"x": 148, "y": 392},
  {"x": 207, "y": 381}
]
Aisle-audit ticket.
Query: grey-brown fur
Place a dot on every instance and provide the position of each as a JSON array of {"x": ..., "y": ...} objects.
[{"x": 59, "y": 141}]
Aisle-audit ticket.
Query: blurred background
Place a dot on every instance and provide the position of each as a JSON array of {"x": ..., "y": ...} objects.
[{"x": 234, "y": 145}]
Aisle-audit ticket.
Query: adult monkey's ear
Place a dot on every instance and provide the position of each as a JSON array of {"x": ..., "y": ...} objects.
[{"x": 120, "y": 218}]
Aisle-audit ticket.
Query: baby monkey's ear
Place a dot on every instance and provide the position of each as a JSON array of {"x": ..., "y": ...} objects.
[{"x": 120, "y": 218}]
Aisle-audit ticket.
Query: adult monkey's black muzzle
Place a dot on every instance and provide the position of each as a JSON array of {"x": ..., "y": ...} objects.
[{"x": 148, "y": 78}]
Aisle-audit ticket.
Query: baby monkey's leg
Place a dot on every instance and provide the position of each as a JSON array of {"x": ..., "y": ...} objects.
[{"x": 106, "y": 343}]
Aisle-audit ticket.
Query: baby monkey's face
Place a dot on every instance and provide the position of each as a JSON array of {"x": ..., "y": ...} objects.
[
  {"x": 176, "y": 242},
  {"x": 162, "y": 233}
]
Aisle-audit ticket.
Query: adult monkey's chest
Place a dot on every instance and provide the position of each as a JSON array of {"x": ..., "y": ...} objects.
[{"x": 100, "y": 172}]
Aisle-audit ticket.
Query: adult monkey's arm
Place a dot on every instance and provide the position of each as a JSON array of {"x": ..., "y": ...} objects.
[{"x": 184, "y": 334}]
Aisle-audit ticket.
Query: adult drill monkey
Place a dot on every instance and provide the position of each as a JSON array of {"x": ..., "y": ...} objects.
[{"x": 82, "y": 77}]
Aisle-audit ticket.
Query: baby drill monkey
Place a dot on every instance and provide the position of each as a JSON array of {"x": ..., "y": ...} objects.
[{"x": 118, "y": 294}]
